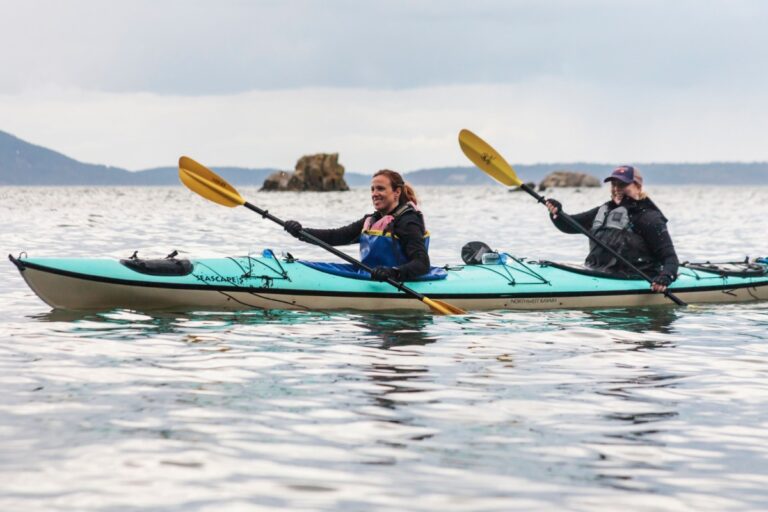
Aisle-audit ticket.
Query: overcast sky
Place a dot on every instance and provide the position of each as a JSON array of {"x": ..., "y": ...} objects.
[{"x": 386, "y": 84}]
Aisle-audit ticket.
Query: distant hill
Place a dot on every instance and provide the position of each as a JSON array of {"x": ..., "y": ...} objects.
[
  {"x": 722, "y": 173},
  {"x": 170, "y": 176},
  {"x": 22, "y": 163}
]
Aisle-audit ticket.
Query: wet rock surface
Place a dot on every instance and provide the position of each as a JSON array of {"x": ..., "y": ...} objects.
[
  {"x": 560, "y": 179},
  {"x": 320, "y": 173}
]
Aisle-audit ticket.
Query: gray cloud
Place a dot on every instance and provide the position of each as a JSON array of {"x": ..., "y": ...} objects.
[{"x": 221, "y": 47}]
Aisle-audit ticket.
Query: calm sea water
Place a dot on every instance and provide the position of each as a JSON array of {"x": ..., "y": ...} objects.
[{"x": 654, "y": 409}]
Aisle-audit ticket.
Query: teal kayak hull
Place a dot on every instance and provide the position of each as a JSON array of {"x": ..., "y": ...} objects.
[{"x": 246, "y": 283}]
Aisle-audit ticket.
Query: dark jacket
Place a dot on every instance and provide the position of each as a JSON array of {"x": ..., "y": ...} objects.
[
  {"x": 645, "y": 241},
  {"x": 408, "y": 228}
]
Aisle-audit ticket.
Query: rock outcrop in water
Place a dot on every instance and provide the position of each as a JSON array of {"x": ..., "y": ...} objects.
[
  {"x": 559, "y": 179},
  {"x": 321, "y": 173}
]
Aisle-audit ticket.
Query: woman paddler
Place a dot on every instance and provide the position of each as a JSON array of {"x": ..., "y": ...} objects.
[
  {"x": 393, "y": 240},
  {"x": 632, "y": 225}
]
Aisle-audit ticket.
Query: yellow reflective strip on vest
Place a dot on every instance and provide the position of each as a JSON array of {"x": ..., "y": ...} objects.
[{"x": 376, "y": 232}]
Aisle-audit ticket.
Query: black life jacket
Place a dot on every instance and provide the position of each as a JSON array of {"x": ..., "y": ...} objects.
[{"x": 614, "y": 227}]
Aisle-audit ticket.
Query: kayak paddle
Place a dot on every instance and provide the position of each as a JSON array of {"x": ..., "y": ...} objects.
[
  {"x": 494, "y": 165},
  {"x": 205, "y": 182}
]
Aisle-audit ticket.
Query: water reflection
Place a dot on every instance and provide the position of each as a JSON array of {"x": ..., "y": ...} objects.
[
  {"x": 398, "y": 330},
  {"x": 399, "y": 375},
  {"x": 389, "y": 330},
  {"x": 641, "y": 411},
  {"x": 652, "y": 319}
]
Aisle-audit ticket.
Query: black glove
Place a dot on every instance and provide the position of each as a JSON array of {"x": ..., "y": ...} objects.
[
  {"x": 556, "y": 204},
  {"x": 293, "y": 227},
  {"x": 663, "y": 280},
  {"x": 384, "y": 273}
]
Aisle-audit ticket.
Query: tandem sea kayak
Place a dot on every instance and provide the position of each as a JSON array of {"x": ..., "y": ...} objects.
[{"x": 270, "y": 282}]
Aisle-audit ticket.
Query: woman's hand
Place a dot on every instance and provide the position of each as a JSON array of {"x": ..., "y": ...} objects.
[
  {"x": 293, "y": 228},
  {"x": 554, "y": 207},
  {"x": 660, "y": 283},
  {"x": 384, "y": 273}
]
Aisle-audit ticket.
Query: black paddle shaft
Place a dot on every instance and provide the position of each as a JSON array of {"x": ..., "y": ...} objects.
[
  {"x": 349, "y": 259},
  {"x": 602, "y": 244}
]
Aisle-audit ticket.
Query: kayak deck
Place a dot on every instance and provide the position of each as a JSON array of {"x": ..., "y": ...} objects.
[{"x": 248, "y": 282}]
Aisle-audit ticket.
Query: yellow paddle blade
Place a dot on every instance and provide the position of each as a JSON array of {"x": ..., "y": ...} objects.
[
  {"x": 442, "y": 308},
  {"x": 203, "y": 181},
  {"x": 487, "y": 159}
]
